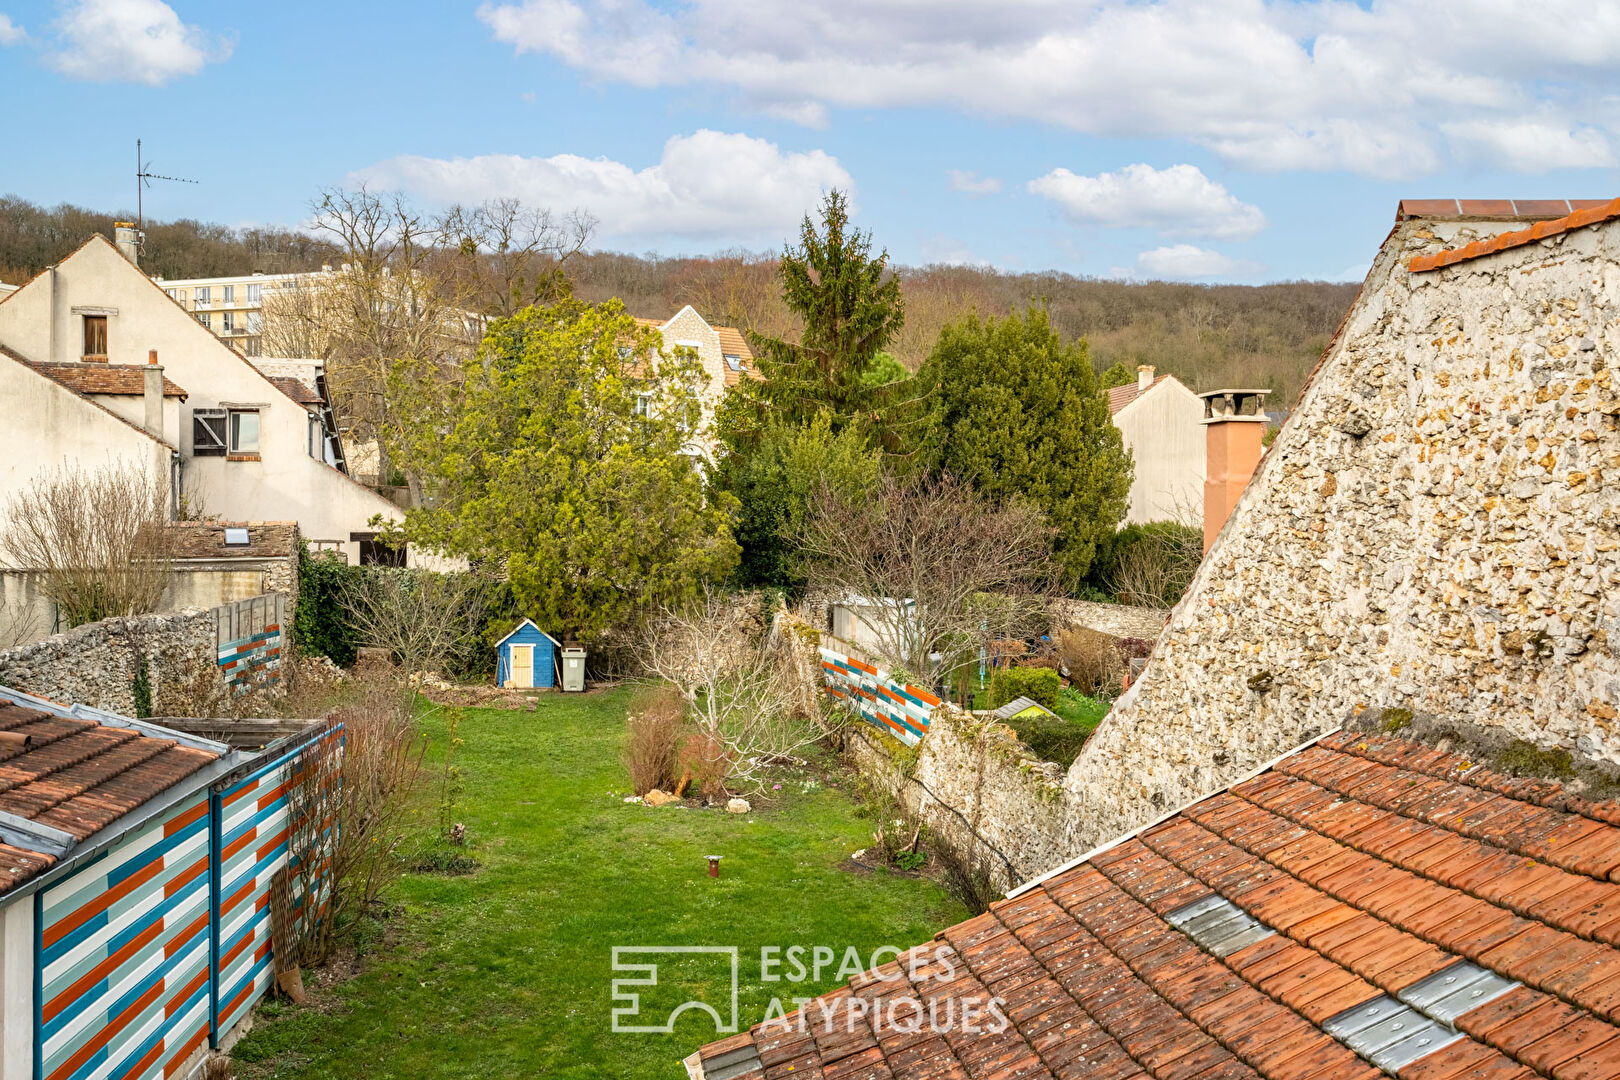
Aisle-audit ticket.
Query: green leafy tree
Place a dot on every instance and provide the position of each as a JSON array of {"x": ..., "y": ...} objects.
[
  {"x": 774, "y": 484},
  {"x": 1022, "y": 414},
  {"x": 1118, "y": 375},
  {"x": 551, "y": 464},
  {"x": 850, "y": 307}
]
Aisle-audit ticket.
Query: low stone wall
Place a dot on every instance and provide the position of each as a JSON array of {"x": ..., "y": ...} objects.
[
  {"x": 1117, "y": 620},
  {"x": 185, "y": 653},
  {"x": 95, "y": 664},
  {"x": 981, "y": 791}
]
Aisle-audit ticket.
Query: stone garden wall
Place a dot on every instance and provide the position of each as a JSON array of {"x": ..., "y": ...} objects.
[
  {"x": 1435, "y": 530},
  {"x": 95, "y": 664}
]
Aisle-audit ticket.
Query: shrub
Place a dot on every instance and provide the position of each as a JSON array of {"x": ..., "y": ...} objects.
[
  {"x": 705, "y": 764},
  {"x": 1092, "y": 659},
  {"x": 1039, "y": 684},
  {"x": 1054, "y": 739},
  {"x": 1148, "y": 565},
  {"x": 656, "y": 720},
  {"x": 322, "y": 625}
]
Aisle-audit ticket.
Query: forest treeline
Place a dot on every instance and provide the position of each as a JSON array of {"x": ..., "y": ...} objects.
[{"x": 1208, "y": 335}]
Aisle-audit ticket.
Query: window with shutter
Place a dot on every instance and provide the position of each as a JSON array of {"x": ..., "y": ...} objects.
[
  {"x": 208, "y": 432},
  {"x": 95, "y": 337}
]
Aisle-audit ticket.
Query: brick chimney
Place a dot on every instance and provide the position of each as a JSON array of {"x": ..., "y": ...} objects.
[
  {"x": 1144, "y": 378},
  {"x": 153, "y": 393},
  {"x": 1234, "y": 425}
]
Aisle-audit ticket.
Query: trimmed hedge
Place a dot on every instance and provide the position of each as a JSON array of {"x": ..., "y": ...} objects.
[{"x": 1039, "y": 684}]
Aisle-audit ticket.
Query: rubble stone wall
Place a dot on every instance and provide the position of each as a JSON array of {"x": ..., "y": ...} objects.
[
  {"x": 95, "y": 664},
  {"x": 1436, "y": 530}
]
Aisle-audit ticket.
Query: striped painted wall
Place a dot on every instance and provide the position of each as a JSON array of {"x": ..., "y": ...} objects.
[
  {"x": 898, "y": 709},
  {"x": 252, "y": 844},
  {"x": 249, "y": 639},
  {"x": 123, "y": 955}
]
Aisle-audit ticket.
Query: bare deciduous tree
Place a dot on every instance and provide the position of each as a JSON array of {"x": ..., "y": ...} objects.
[
  {"x": 98, "y": 539},
  {"x": 510, "y": 255},
  {"x": 424, "y": 619},
  {"x": 938, "y": 570},
  {"x": 739, "y": 685}
]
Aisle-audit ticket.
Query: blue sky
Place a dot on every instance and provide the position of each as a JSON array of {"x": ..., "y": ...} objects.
[{"x": 1211, "y": 140}]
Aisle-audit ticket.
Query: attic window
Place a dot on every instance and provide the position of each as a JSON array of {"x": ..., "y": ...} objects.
[
  {"x": 733, "y": 361},
  {"x": 208, "y": 432},
  {"x": 236, "y": 538},
  {"x": 95, "y": 338}
]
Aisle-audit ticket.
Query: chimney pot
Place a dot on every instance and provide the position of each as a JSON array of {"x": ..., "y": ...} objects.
[
  {"x": 1144, "y": 378},
  {"x": 151, "y": 356}
]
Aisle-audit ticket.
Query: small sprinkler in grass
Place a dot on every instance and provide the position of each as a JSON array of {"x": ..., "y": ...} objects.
[{"x": 714, "y": 865}]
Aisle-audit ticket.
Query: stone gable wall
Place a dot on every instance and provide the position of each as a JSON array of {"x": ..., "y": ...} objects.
[{"x": 1436, "y": 529}]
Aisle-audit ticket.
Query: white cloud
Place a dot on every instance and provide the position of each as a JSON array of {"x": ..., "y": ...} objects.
[
  {"x": 1531, "y": 145},
  {"x": 1184, "y": 262},
  {"x": 709, "y": 186},
  {"x": 140, "y": 41},
  {"x": 10, "y": 32},
  {"x": 1179, "y": 200},
  {"x": 1274, "y": 84},
  {"x": 971, "y": 183}
]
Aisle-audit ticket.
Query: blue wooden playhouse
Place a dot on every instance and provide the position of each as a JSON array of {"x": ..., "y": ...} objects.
[{"x": 526, "y": 657}]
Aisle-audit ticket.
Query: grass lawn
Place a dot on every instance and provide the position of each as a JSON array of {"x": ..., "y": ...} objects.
[{"x": 507, "y": 972}]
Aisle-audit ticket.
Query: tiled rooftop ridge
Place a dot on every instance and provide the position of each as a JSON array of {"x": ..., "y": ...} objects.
[
  {"x": 78, "y": 776},
  {"x": 1583, "y": 212},
  {"x": 1382, "y": 872}
]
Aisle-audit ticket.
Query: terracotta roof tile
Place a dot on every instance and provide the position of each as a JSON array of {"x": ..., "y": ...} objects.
[
  {"x": 1581, "y": 214},
  {"x": 1373, "y": 869},
  {"x": 1121, "y": 396},
  {"x": 296, "y": 389},
  {"x": 79, "y": 776},
  {"x": 118, "y": 380}
]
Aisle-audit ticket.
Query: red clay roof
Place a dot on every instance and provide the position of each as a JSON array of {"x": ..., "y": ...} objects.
[
  {"x": 296, "y": 389},
  {"x": 1587, "y": 215},
  {"x": 120, "y": 380},
  {"x": 1365, "y": 899},
  {"x": 78, "y": 776},
  {"x": 1493, "y": 209},
  {"x": 1121, "y": 396}
]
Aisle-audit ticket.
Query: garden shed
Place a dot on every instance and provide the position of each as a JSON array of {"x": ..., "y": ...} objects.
[{"x": 527, "y": 657}]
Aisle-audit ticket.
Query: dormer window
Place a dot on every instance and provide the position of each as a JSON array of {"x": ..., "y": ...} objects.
[{"x": 95, "y": 338}]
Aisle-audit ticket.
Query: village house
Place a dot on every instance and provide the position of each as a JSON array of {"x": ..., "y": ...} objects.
[
  {"x": 1356, "y": 817},
  {"x": 1159, "y": 420},
  {"x": 725, "y": 357},
  {"x": 102, "y": 366}
]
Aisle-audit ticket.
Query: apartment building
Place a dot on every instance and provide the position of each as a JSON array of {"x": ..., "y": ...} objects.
[{"x": 233, "y": 307}]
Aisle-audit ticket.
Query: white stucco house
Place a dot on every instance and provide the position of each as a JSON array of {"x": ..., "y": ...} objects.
[
  {"x": 98, "y": 364},
  {"x": 1162, "y": 423}
]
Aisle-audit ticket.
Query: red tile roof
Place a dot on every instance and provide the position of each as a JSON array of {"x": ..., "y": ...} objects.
[
  {"x": 119, "y": 380},
  {"x": 78, "y": 776},
  {"x": 296, "y": 389},
  {"x": 1493, "y": 209},
  {"x": 1579, "y": 218},
  {"x": 1368, "y": 905},
  {"x": 1121, "y": 396}
]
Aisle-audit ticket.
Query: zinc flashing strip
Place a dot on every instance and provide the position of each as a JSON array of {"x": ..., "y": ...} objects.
[
  {"x": 1218, "y": 925},
  {"x": 734, "y": 1063},
  {"x": 1161, "y": 819},
  {"x": 1393, "y": 1033}
]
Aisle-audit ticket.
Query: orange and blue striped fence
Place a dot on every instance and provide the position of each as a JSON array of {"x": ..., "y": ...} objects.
[{"x": 895, "y": 708}]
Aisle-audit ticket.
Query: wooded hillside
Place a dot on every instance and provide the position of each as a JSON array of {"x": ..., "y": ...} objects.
[{"x": 1208, "y": 335}]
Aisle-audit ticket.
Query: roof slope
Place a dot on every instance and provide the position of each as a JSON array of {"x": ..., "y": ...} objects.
[
  {"x": 77, "y": 776},
  {"x": 1366, "y": 906},
  {"x": 1121, "y": 396},
  {"x": 120, "y": 380},
  {"x": 206, "y": 539}
]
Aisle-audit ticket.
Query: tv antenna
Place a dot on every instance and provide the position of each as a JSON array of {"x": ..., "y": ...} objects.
[{"x": 143, "y": 180}]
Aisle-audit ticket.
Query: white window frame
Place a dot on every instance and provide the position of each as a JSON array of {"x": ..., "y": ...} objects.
[{"x": 232, "y": 431}]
